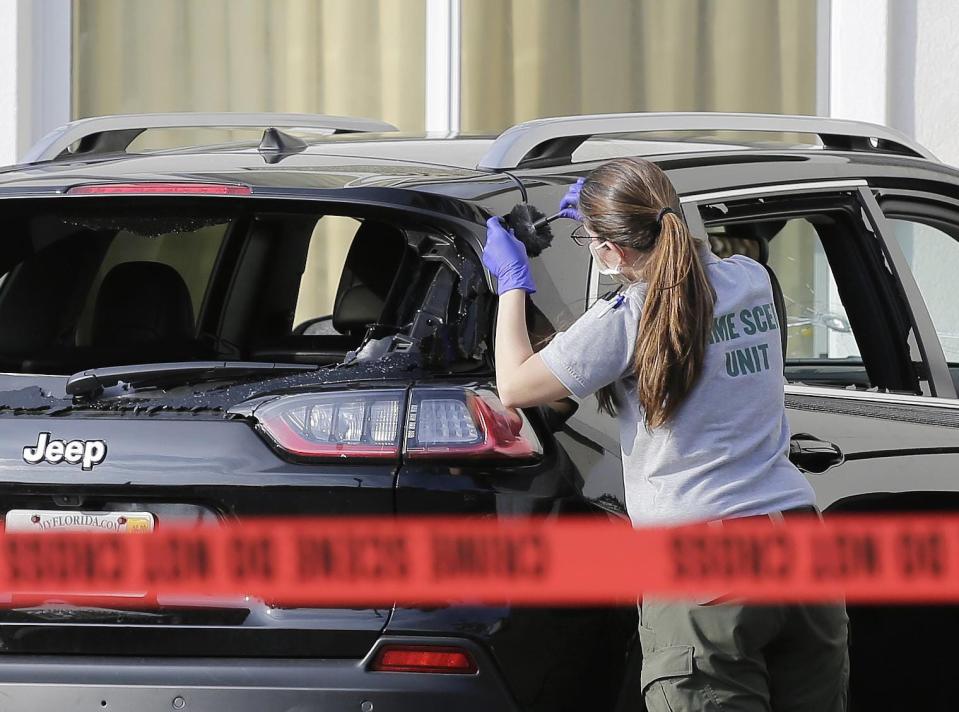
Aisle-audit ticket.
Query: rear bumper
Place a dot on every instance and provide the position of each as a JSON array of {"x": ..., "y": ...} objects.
[{"x": 243, "y": 685}]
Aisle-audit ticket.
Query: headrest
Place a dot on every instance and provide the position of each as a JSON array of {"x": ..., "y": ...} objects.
[
  {"x": 142, "y": 303},
  {"x": 752, "y": 239},
  {"x": 369, "y": 272}
]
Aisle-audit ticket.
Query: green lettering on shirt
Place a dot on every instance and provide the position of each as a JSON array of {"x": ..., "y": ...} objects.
[
  {"x": 771, "y": 316},
  {"x": 743, "y": 362},
  {"x": 724, "y": 329}
]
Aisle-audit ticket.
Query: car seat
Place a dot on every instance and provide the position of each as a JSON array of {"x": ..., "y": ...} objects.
[
  {"x": 143, "y": 313},
  {"x": 374, "y": 265}
]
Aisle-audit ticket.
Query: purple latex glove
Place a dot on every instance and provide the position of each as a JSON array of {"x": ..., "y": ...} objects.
[
  {"x": 505, "y": 257},
  {"x": 569, "y": 205}
]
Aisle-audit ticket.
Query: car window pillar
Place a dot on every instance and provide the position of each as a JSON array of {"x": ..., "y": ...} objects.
[{"x": 940, "y": 379}]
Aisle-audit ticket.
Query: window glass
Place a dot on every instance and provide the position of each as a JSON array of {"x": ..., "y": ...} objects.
[
  {"x": 933, "y": 256},
  {"x": 191, "y": 253},
  {"x": 130, "y": 287},
  {"x": 818, "y": 328},
  {"x": 823, "y": 344},
  {"x": 329, "y": 245}
]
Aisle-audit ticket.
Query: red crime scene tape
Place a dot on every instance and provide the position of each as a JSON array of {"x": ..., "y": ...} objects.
[{"x": 428, "y": 560}]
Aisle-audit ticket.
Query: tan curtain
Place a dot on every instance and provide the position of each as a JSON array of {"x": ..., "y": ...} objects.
[
  {"x": 353, "y": 57},
  {"x": 524, "y": 59},
  {"x": 521, "y": 59},
  {"x": 350, "y": 57}
]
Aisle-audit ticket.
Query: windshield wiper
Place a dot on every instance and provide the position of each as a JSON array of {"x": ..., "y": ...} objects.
[{"x": 94, "y": 380}]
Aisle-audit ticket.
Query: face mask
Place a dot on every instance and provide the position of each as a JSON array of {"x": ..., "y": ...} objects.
[{"x": 600, "y": 264}]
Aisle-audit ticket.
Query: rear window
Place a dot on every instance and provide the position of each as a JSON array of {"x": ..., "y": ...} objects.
[
  {"x": 189, "y": 254},
  {"x": 93, "y": 283},
  {"x": 329, "y": 244}
]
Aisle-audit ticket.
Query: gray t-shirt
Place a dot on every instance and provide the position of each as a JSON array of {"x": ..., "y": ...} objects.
[{"x": 724, "y": 453}]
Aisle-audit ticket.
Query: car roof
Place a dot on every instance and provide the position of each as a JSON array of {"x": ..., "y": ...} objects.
[
  {"x": 433, "y": 155},
  {"x": 447, "y": 164}
]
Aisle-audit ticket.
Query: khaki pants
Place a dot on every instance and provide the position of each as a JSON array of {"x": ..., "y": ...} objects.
[{"x": 744, "y": 658}]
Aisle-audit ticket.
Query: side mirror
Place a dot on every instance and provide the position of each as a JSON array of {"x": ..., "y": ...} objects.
[{"x": 558, "y": 412}]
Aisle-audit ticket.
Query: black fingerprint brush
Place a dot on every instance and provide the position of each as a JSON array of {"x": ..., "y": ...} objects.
[{"x": 531, "y": 227}]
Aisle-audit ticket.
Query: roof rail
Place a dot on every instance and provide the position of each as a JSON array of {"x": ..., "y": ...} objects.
[
  {"x": 114, "y": 134},
  {"x": 552, "y": 141}
]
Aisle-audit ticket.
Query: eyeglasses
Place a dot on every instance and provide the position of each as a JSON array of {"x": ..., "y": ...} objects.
[{"x": 581, "y": 237}]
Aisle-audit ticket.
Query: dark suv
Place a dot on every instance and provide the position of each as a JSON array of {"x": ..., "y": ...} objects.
[{"x": 301, "y": 325}]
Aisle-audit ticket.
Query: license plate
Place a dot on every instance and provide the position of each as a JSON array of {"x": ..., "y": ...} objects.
[{"x": 53, "y": 520}]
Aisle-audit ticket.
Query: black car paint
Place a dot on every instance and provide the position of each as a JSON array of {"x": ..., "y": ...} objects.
[
  {"x": 218, "y": 681},
  {"x": 549, "y": 658}
]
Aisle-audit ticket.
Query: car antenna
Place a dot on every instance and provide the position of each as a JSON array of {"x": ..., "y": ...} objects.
[{"x": 277, "y": 145}]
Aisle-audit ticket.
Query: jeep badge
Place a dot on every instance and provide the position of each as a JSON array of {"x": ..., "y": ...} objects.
[{"x": 86, "y": 453}]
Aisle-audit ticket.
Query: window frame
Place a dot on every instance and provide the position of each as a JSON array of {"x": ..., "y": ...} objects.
[
  {"x": 933, "y": 374},
  {"x": 928, "y": 208}
]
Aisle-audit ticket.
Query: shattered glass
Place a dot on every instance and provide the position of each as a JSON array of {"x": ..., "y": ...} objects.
[{"x": 148, "y": 225}]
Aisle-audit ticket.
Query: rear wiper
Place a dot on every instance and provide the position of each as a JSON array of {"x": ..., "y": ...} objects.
[{"x": 94, "y": 380}]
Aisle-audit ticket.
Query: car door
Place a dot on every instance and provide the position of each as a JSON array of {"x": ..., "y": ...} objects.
[
  {"x": 864, "y": 369},
  {"x": 567, "y": 284}
]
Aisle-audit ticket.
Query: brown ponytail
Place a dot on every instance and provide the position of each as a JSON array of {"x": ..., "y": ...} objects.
[{"x": 623, "y": 202}]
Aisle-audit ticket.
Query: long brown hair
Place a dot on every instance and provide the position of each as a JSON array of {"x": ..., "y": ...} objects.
[{"x": 623, "y": 202}]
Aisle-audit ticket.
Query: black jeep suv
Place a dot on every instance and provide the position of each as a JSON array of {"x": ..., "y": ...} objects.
[{"x": 301, "y": 325}]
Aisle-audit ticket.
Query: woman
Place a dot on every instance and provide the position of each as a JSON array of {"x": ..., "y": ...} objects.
[{"x": 697, "y": 388}]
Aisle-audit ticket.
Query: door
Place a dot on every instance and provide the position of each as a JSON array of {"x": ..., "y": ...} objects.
[{"x": 862, "y": 366}]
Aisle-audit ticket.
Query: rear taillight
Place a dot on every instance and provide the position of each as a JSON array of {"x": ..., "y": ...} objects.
[
  {"x": 458, "y": 423},
  {"x": 153, "y": 188},
  {"x": 324, "y": 426},
  {"x": 423, "y": 658},
  {"x": 449, "y": 424}
]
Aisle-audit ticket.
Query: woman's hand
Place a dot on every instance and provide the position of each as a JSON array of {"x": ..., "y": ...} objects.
[
  {"x": 505, "y": 257},
  {"x": 569, "y": 205}
]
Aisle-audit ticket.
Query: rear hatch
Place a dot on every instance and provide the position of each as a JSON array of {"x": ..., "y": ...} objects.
[{"x": 196, "y": 359}]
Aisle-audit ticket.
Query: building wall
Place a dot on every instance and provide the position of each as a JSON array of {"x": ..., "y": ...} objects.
[
  {"x": 935, "y": 87},
  {"x": 889, "y": 61},
  {"x": 896, "y": 62},
  {"x": 34, "y": 72}
]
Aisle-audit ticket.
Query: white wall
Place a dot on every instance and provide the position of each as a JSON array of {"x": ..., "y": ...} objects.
[
  {"x": 34, "y": 72},
  {"x": 857, "y": 47},
  {"x": 936, "y": 78},
  {"x": 896, "y": 62},
  {"x": 9, "y": 103}
]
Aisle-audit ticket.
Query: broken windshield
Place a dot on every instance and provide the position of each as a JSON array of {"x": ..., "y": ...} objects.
[
  {"x": 101, "y": 285},
  {"x": 91, "y": 284}
]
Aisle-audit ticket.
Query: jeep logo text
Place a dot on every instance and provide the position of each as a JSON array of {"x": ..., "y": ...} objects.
[{"x": 86, "y": 453}]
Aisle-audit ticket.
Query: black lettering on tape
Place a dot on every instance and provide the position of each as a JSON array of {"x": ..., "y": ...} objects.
[
  {"x": 250, "y": 558},
  {"x": 490, "y": 556},
  {"x": 177, "y": 559},
  {"x": 60, "y": 560},
  {"x": 352, "y": 558},
  {"x": 921, "y": 554},
  {"x": 724, "y": 556},
  {"x": 844, "y": 556}
]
